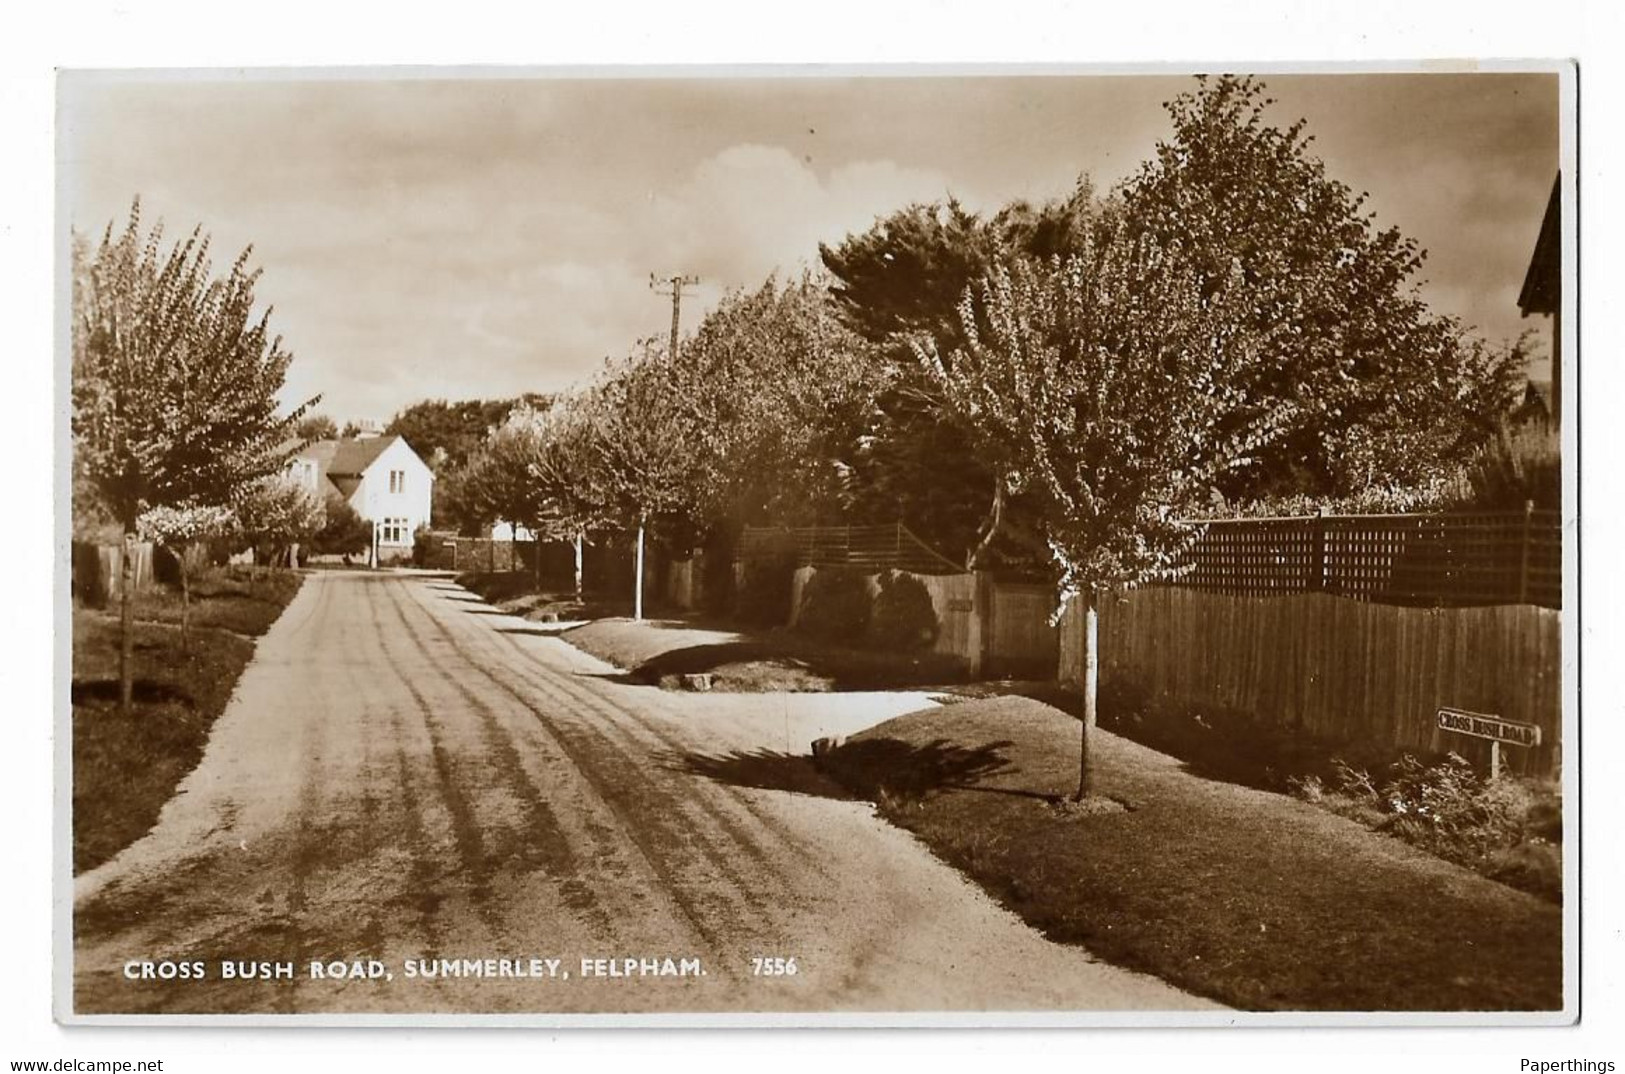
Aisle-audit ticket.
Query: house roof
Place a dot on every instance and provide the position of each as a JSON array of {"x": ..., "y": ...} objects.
[
  {"x": 351, "y": 458},
  {"x": 1543, "y": 283}
]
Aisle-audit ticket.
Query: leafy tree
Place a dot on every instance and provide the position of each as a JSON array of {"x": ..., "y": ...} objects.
[
  {"x": 1114, "y": 388},
  {"x": 497, "y": 477},
  {"x": 458, "y": 503},
  {"x": 536, "y": 470},
  {"x": 898, "y": 284},
  {"x": 175, "y": 384},
  {"x": 1388, "y": 393},
  {"x": 771, "y": 387},
  {"x": 560, "y": 468},
  {"x": 183, "y": 530},
  {"x": 637, "y": 440},
  {"x": 447, "y": 433},
  {"x": 313, "y": 427},
  {"x": 276, "y": 515}
]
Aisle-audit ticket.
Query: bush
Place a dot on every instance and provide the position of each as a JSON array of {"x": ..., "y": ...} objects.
[
  {"x": 765, "y": 587},
  {"x": 423, "y": 541},
  {"x": 902, "y": 617},
  {"x": 835, "y": 606},
  {"x": 1509, "y": 829},
  {"x": 343, "y": 532}
]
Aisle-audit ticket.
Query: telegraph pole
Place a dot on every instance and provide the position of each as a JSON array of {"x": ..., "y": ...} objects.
[{"x": 673, "y": 286}]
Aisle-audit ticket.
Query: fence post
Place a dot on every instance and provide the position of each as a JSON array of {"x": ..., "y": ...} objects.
[
  {"x": 1523, "y": 551},
  {"x": 981, "y": 623},
  {"x": 1317, "y": 580}
]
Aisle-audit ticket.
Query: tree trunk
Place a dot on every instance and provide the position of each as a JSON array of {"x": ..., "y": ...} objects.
[
  {"x": 126, "y": 617},
  {"x": 637, "y": 584},
  {"x": 1091, "y": 693},
  {"x": 186, "y": 602},
  {"x": 578, "y": 566},
  {"x": 990, "y": 526}
]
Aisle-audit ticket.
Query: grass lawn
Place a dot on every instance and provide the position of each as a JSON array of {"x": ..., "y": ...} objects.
[
  {"x": 1255, "y": 899},
  {"x": 125, "y": 769},
  {"x": 660, "y": 651}
]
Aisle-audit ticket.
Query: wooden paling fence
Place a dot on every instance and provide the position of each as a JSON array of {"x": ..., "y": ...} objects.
[
  {"x": 1338, "y": 668},
  {"x": 98, "y": 570}
]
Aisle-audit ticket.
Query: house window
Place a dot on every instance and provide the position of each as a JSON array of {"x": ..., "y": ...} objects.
[
  {"x": 395, "y": 531},
  {"x": 397, "y": 481}
]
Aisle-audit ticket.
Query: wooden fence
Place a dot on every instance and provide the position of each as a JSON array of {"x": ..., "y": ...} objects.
[
  {"x": 1343, "y": 669},
  {"x": 97, "y": 571},
  {"x": 1019, "y": 640},
  {"x": 957, "y": 600},
  {"x": 1437, "y": 560},
  {"x": 866, "y": 548}
]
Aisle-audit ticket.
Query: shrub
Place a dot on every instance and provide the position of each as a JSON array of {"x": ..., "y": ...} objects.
[
  {"x": 1525, "y": 465},
  {"x": 344, "y": 532},
  {"x": 422, "y": 546},
  {"x": 902, "y": 617},
  {"x": 835, "y": 606},
  {"x": 764, "y": 589}
]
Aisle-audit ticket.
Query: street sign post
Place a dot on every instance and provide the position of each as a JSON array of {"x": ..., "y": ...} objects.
[{"x": 1494, "y": 728}]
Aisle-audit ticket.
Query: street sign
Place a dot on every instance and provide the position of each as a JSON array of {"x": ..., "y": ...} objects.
[
  {"x": 1497, "y": 730},
  {"x": 1482, "y": 725}
]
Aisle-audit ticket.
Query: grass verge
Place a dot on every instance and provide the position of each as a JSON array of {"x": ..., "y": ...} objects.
[
  {"x": 126, "y": 768},
  {"x": 663, "y": 651},
  {"x": 1510, "y": 830},
  {"x": 1254, "y": 899}
]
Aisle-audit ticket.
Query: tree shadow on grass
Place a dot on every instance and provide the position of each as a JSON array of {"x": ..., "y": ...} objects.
[
  {"x": 865, "y": 770},
  {"x": 142, "y": 691}
]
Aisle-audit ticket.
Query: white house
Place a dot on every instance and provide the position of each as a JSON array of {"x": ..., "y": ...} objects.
[{"x": 381, "y": 477}]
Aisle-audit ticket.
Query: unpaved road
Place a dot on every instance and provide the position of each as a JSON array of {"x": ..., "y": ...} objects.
[{"x": 406, "y": 775}]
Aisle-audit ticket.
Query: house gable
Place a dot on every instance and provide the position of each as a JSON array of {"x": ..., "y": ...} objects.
[{"x": 381, "y": 477}]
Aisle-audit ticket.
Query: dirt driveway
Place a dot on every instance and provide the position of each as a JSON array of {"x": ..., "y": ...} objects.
[{"x": 470, "y": 816}]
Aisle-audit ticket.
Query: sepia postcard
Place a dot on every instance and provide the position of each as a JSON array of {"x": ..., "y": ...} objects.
[{"x": 840, "y": 546}]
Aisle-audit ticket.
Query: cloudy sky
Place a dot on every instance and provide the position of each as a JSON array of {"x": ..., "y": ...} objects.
[{"x": 457, "y": 238}]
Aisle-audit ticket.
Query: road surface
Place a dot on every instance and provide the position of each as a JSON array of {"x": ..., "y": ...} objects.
[{"x": 449, "y": 812}]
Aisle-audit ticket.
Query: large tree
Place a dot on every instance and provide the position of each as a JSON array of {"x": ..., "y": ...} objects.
[
  {"x": 448, "y": 434},
  {"x": 772, "y": 387},
  {"x": 1114, "y": 389},
  {"x": 1388, "y": 392},
  {"x": 175, "y": 384},
  {"x": 639, "y": 440},
  {"x": 898, "y": 284}
]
